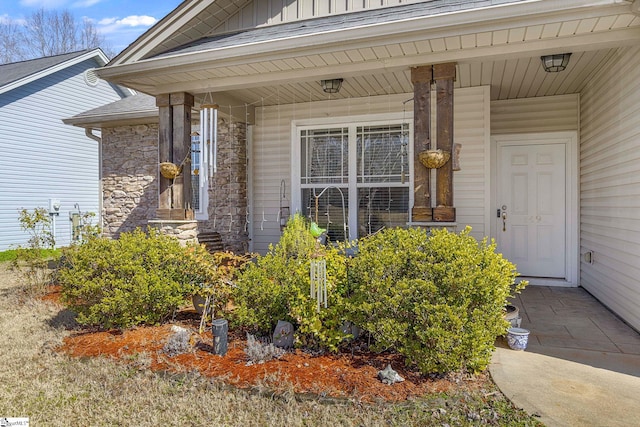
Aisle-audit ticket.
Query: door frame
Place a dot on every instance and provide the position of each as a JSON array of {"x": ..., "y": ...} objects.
[{"x": 572, "y": 220}]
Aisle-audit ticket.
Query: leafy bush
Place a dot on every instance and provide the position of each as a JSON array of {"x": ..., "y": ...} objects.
[
  {"x": 216, "y": 272},
  {"x": 138, "y": 279},
  {"x": 437, "y": 299},
  {"x": 31, "y": 262},
  {"x": 277, "y": 287}
]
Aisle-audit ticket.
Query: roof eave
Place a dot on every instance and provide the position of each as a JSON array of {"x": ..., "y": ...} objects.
[
  {"x": 471, "y": 20},
  {"x": 161, "y": 30},
  {"x": 97, "y": 53},
  {"x": 116, "y": 119}
]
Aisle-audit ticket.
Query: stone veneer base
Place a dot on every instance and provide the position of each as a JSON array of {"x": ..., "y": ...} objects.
[{"x": 186, "y": 231}]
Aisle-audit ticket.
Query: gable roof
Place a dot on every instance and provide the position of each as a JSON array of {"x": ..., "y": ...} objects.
[
  {"x": 368, "y": 43},
  {"x": 196, "y": 19},
  {"x": 332, "y": 24},
  {"x": 16, "y": 74}
]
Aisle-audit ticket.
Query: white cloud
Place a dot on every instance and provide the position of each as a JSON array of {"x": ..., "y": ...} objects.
[
  {"x": 6, "y": 19},
  {"x": 112, "y": 25},
  {"x": 85, "y": 3}
]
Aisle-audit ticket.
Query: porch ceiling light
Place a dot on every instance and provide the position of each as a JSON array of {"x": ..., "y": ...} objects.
[
  {"x": 555, "y": 63},
  {"x": 331, "y": 85}
]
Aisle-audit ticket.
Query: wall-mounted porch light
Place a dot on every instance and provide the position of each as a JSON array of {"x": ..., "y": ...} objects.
[
  {"x": 331, "y": 85},
  {"x": 555, "y": 63}
]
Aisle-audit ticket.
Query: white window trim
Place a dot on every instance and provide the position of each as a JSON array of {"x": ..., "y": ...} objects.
[{"x": 350, "y": 122}]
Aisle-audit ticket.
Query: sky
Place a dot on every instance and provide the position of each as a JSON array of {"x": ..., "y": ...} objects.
[{"x": 120, "y": 21}]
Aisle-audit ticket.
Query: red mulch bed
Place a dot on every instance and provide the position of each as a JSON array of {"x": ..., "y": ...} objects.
[{"x": 343, "y": 375}]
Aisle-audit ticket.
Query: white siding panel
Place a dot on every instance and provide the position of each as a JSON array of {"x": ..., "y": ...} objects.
[
  {"x": 41, "y": 157},
  {"x": 610, "y": 184},
  {"x": 541, "y": 114},
  {"x": 271, "y": 12},
  {"x": 270, "y": 155}
]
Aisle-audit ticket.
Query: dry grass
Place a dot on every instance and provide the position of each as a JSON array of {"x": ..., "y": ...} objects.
[{"x": 55, "y": 390}]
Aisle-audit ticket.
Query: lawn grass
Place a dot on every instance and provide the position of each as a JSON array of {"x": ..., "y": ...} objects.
[
  {"x": 11, "y": 254},
  {"x": 53, "y": 389}
]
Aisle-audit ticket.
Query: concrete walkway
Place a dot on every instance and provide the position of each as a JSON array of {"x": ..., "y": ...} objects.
[{"x": 581, "y": 366}]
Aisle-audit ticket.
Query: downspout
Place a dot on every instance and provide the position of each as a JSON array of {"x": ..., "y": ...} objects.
[{"x": 89, "y": 133}]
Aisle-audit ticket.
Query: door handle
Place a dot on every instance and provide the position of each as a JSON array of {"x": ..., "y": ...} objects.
[{"x": 504, "y": 221}]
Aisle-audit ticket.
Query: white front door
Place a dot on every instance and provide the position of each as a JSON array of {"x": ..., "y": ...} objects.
[{"x": 531, "y": 211}]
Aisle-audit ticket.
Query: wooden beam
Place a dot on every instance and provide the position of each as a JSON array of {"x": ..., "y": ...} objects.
[
  {"x": 444, "y": 76},
  {"x": 165, "y": 148},
  {"x": 421, "y": 78},
  {"x": 181, "y": 104}
]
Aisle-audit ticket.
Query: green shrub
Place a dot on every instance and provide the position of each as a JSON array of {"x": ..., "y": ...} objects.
[
  {"x": 31, "y": 262},
  {"x": 138, "y": 279},
  {"x": 437, "y": 299},
  {"x": 277, "y": 287}
]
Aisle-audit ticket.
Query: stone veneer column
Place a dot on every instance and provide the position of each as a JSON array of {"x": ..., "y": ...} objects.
[
  {"x": 228, "y": 189},
  {"x": 129, "y": 177}
]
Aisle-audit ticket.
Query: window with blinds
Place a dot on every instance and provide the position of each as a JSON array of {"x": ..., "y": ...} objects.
[
  {"x": 358, "y": 195},
  {"x": 325, "y": 156}
]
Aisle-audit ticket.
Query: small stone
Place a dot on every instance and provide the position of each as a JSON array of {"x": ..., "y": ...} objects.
[
  {"x": 178, "y": 342},
  {"x": 283, "y": 334},
  {"x": 389, "y": 376}
]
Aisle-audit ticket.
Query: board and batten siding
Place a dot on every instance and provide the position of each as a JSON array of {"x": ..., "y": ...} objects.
[
  {"x": 271, "y": 12},
  {"x": 270, "y": 154},
  {"x": 531, "y": 115},
  {"x": 610, "y": 185},
  {"x": 41, "y": 157}
]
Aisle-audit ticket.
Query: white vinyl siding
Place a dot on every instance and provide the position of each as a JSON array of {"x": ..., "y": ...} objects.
[
  {"x": 41, "y": 157},
  {"x": 533, "y": 115},
  {"x": 270, "y": 12},
  {"x": 270, "y": 155},
  {"x": 610, "y": 184}
]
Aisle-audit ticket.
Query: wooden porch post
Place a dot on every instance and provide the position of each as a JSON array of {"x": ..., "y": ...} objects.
[
  {"x": 181, "y": 104},
  {"x": 165, "y": 148},
  {"x": 444, "y": 76},
  {"x": 421, "y": 78},
  {"x": 174, "y": 144}
]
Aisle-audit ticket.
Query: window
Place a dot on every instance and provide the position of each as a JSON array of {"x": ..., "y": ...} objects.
[{"x": 355, "y": 178}]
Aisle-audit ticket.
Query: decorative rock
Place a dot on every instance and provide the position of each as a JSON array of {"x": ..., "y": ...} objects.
[
  {"x": 283, "y": 335},
  {"x": 389, "y": 376},
  {"x": 178, "y": 342},
  {"x": 350, "y": 328}
]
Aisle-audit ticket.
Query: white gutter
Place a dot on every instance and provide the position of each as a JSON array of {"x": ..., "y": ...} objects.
[
  {"x": 89, "y": 133},
  {"x": 138, "y": 116},
  {"x": 540, "y": 10}
]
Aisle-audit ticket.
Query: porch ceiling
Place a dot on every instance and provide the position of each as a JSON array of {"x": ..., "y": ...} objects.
[
  {"x": 503, "y": 52},
  {"x": 509, "y": 78}
]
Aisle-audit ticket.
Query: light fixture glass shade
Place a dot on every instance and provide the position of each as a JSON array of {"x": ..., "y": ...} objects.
[
  {"x": 555, "y": 63},
  {"x": 332, "y": 85}
]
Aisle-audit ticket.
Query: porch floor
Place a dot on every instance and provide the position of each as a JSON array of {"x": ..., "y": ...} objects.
[{"x": 581, "y": 365}]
